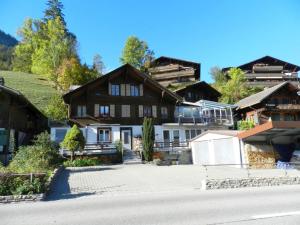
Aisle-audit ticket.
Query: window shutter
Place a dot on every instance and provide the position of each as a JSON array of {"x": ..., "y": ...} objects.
[
  {"x": 122, "y": 89},
  {"x": 127, "y": 89},
  {"x": 112, "y": 110},
  {"x": 109, "y": 88},
  {"x": 128, "y": 111},
  {"x": 154, "y": 113},
  {"x": 141, "y": 113},
  {"x": 96, "y": 110},
  {"x": 141, "y": 90}
]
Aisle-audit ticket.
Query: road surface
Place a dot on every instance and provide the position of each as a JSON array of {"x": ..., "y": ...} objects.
[{"x": 268, "y": 205}]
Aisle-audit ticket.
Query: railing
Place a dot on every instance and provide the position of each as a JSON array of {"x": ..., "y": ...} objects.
[
  {"x": 224, "y": 120},
  {"x": 251, "y": 170},
  {"x": 96, "y": 147},
  {"x": 170, "y": 146}
]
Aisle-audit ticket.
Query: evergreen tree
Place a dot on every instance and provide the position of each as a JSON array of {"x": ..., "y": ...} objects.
[
  {"x": 54, "y": 10},
  {"x": 148, "y": 139}
]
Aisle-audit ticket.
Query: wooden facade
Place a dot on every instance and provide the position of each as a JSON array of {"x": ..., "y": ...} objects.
[
  {"x": 199, "y": 91},
  {"x": 124, "y": 96},
  {"x": 268, "y": 71},
  {"x": 166, "y": 71},
  {"x": 282, "y": 104},
  {"x": 18, "y": 118}
]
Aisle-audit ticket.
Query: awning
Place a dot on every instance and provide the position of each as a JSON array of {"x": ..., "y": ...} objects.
[{"x": 270, "y": 130}]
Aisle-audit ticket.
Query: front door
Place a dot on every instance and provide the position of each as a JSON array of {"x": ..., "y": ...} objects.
[{"x": 126, "y": 139}]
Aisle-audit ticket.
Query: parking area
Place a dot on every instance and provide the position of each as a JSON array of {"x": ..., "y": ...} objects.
[{"x": 143, "y": 178}]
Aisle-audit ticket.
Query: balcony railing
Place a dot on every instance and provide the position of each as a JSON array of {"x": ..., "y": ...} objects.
[
  {"x": 213, "y": 120},
  {"x": 93, "y": 148}
]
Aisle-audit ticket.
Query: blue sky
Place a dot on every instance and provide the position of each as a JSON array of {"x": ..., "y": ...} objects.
[{"x": 213, "y": 32}]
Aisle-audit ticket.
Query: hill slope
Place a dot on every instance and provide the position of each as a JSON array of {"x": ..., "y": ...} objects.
[
  {"x": 7, "y": 40},
  {"x": 34, "y": 87}
]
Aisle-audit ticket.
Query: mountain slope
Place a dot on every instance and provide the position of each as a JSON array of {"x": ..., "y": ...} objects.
[{"x": 34, "y": 87}]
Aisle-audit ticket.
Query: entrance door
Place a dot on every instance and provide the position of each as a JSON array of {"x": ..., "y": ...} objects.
[
  {"x": 166, "y": 134},
  {"x": 126, "y": 139}
]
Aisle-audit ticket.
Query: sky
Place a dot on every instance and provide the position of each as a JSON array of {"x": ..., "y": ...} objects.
[{"x": 213, "y": 32}]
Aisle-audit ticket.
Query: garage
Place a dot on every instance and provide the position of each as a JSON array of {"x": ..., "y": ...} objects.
[{"x": 215, "y": 147}]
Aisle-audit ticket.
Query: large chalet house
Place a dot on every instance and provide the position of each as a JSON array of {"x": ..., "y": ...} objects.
[
  {"x": 19, "y": 121},
  {"x": 113, "y": 106},
  {"x": 268, "y": 71},
  {"x": 170, "y": 71}
]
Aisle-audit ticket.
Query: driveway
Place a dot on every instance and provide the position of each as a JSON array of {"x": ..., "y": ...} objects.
[{"x": 142, "y": 178}]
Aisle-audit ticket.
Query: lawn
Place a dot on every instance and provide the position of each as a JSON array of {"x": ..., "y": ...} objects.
[{"x": 35, "y": 88}]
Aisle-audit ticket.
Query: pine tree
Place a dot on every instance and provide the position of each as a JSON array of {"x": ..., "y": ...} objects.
[
  {"x": 148, "y": 139},
  {"x": 54, "y": 10}
]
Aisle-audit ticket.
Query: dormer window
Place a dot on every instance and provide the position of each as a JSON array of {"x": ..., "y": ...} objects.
[{"x": 115, "y": 89}]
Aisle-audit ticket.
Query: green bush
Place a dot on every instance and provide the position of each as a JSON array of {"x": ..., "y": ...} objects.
[
  {"x": 81, "y": 162},
  {"x": 40, "y": 157},
  {"x": 21, "y": 185},
  {"x": 245, "y": 124}
]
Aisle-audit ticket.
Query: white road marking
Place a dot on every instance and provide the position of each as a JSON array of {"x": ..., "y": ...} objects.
[{"x": 276, "y": 215}]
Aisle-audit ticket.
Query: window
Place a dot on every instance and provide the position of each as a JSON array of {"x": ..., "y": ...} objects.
[
  {"x": 275, "y": 117},
  {"x": 198, "y": 132},
  {"x": 104, "y": 110},
  {"x": 81, "y": 110},
  {"x": 193, "y": 133},
  {"x": 164, "y": 112},
  {"x": 147, "y": 111},
  {"x": 115, "y": 89},
  {"x": 60, "y": 135},
  {"x": 125, "y": 110},
  {"x": 104, "y": 135},
  {"x": 134, "y": 90},
  {"x": 187, "y": 135},
  {"x": 176, "y": 138}
]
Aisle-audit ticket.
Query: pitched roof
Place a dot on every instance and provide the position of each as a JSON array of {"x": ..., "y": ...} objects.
[
  {"x": 22, "y": 98},
  {"x": 142, "y": 75},
  {"x": 260, "y": 96},
  {"x": 232, "y": 133},
  {"x": 201, "y": 84},
  {"x": 171, "y": 59},
  {"x": 268, "y": 60}
]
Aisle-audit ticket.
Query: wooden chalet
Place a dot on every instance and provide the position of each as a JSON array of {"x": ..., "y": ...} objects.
[
  {"x": 19, "y": 121},
  {"x": 198, "y": 91},
  {"x": 167, "y": 70},
  {"x": 268, "y": 71},
  {"x": 278, "y": 103}
]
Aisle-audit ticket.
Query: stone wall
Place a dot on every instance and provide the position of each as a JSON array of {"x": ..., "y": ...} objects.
[
  {"x": 260, "y": 155},
  {"x": 248, "y": 182}
]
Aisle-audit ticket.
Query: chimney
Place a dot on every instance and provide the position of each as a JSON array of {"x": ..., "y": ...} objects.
[{"x": 2, "y": 81}]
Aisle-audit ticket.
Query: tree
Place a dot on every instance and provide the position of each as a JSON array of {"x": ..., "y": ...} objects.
[
  {"x": 235, "y": 88},
  {"x": 148, "y": 138},
  {"x": 137, "y": 53},
  {"x": 218, "y": 76},
  {"x": 54, "y": 10},
  {"x": 56, "y": 109},
  {"x": 71, "y": 72},
  {"x": 73, "y": 141},
  {"x": 98, "y": 64}
]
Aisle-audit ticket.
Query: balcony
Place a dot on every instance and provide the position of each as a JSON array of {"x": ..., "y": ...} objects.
[{"x": 97, "y": 148}]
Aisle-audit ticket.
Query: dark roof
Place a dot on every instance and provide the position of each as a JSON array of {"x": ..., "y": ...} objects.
[
  {"x": 267, "y": 60},
  {"x": 200, "y": 84},
  {"x": 170, "y": 59},
  {"x": 260, "y": 96},
  {"x": 21, "y": 98},
  {"x": 125, "y": 67}
]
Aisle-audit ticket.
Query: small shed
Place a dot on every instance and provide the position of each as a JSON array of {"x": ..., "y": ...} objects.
[{"x": 215, "y": 147}]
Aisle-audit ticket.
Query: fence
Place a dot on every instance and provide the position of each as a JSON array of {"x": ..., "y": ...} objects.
[
  {"x": 170, "y": 146},
  {"x": 93, "y": 148}
]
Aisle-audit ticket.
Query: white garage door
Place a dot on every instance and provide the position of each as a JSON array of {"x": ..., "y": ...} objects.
[{"x": 200, "y": 152}]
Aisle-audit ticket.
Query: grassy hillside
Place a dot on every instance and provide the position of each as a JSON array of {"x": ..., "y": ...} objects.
[{"x": 35, "y": 88}]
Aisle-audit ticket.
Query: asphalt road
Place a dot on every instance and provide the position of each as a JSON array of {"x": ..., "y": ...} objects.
[{"x": 268, "y": 205}]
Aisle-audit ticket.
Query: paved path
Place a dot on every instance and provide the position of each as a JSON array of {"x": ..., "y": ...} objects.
[
  {"x": 134, "y": 179},
  {"x": 266, "y": 206}
]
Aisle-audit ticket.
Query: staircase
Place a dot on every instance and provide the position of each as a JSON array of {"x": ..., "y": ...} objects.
[{"x": 131, "y": 157}]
